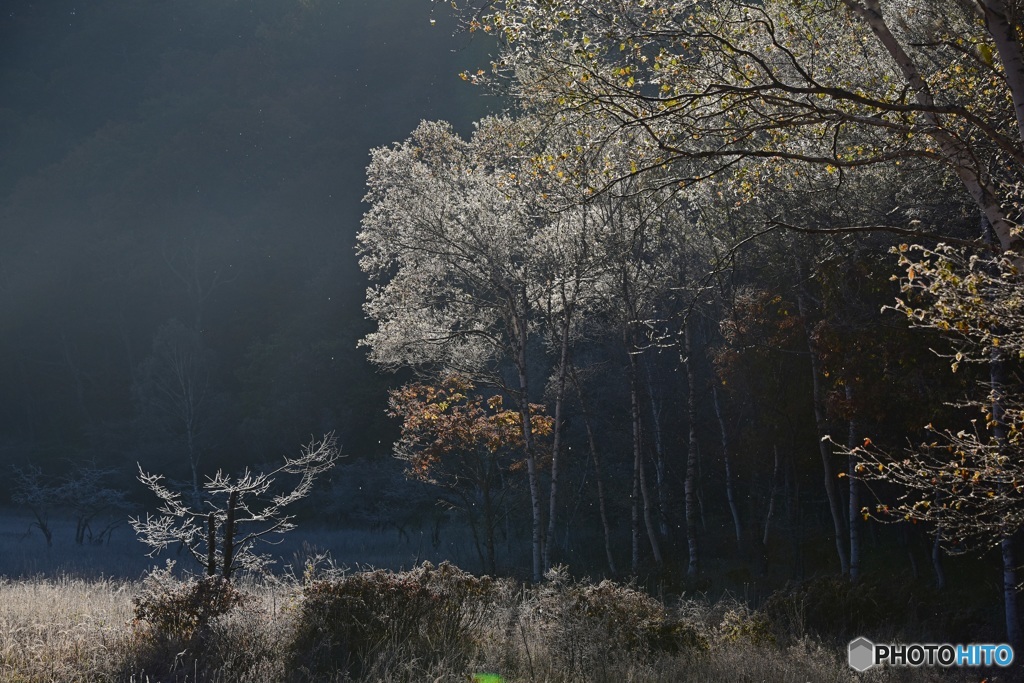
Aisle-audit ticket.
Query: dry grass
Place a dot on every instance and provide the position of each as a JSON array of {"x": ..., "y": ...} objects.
[
  {"x": 70, "y": 630},
  {"x": 61, "y": 629}
]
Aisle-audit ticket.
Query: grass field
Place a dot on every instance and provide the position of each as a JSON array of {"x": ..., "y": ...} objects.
[
  {"x": 71, "y": 629},
  {"x": 71, "y": 613}
]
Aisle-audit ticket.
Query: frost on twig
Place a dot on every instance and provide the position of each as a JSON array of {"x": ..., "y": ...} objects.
[{"x": 236, "y": 512}]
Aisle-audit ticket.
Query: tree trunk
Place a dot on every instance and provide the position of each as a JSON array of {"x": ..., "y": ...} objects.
[
  {"x": 940, "y": 573},
  {"x": 1010, "y": 593},
  {"x": 537, "y": 541},
  {"x": 229, "y": 535},
  {"x": 659, "y": 453},
  {"x": 556, "y": 443},
  {"x": 1007, "y": 39},
  {"x": 470, "y": 505},
  {"x": 597, "y": 473},
  {"x": 640, "y": 478},
  {"x": 193, "y": 461},
  {"x": 823, "y": 446},
  {"x": 997, "y": 376},
  {"x": 634, "y": 518},
  {"x": 211, "y": 545},
  {"x": 771, "y": 496},
  {"x": 851, "y": 443},
  {"x": 956, "y": 152},
  {"x": 489, "y": 524},
  {"x": 690, "y": 484},
  {"x": 730, "y": 494},
  {"x": 771, "y": 509}
]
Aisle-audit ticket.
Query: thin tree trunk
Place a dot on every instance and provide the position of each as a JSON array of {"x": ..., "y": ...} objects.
[
  {"x": 521, "y": 335},
  {"x": 1010, "y": 593},
  {"x": 908, "y": 540},
  {"x": 823, "y": 446},
  {"x": 193, "y": 461},
  {"x": 634, "y": 518},
  {"x": 851, "y": 443},
  {"x": 730, "y": 494},
  {"x": 997, "y": 375},
  {"x": 771, "y": 496},
  {"x": 229, "y": 535},
  {"x": 659, "y": 453},
  {"x": 598, "y": 474},
  {"x": 492, "y": 565},
  {"x": 940, "y": 573},
  {"x": 690, "y": 483},
  {"x": 556, "y": 443},
  {"x": 638, "y": 464},
  {"x": 1008, "y": 44},
  {"x": 211, "y": 545},
  {"x": 772, "y": 487}
]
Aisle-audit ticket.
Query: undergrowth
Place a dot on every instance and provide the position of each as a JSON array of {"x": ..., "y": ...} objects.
[{"x": 433, "y": 623}]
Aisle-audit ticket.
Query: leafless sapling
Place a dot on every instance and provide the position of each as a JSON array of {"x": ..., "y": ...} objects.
[{"x": 236, "y": 512}]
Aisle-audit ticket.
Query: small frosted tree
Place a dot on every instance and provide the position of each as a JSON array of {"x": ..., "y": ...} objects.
[{"x": 237, "y": 512}]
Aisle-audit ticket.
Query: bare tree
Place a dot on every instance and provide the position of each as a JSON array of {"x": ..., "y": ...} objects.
[
  {"x": 32, "y": 490},
  {"x": 196, "y": 271},
  {"x": 82, "y": 492},
  {"x": 87, "y": 496},
  {"x": 237, "y": 512}
]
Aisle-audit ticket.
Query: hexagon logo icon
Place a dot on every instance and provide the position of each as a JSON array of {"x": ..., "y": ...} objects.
[{"x": 862, "y": 654}]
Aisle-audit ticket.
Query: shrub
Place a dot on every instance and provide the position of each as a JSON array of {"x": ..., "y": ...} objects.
[
  {"x": 181, "y": 610},
  {"x": 361, "y": 622},
  {"x": 835, "y": 610},
  {"x": 589, "y": 627},
  {"x": 739, "y": 622}
]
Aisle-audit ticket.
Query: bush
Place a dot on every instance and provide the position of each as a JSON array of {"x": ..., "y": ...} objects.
[
  {"x": 588, "y": 627},
  {"x": 739, "y": 622},
  {"x": 181, "y": 610},
  {"x": 177, "y": 626},
  {"x": 361, "y": 623},
  {"x": 835, "y": 610}
]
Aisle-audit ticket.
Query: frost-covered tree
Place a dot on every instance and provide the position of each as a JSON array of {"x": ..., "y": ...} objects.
[
  {"x": 447, "y": 243},
  {"x": 237, "y": 512}
]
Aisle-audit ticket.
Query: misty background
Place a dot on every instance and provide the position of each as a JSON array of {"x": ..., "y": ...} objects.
[{"x": 199, "y": 165}]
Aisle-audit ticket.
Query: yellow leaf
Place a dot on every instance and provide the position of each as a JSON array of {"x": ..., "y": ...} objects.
[{"x": 985, "y": 51}]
